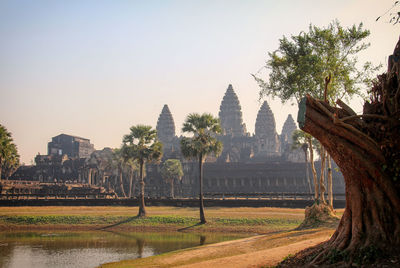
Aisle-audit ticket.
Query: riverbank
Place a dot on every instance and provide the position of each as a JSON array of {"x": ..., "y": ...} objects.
[
  {"x": 270, "y": 231},
  {"x": 256, "y": 251},
  {"x": 234, "y": 220}
]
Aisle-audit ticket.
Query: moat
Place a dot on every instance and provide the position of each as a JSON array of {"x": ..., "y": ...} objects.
[{"x": 91, "y": 249}]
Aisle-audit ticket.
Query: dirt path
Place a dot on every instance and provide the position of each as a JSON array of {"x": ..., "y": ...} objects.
[
  {"x": 261, "y": 258},
  {"x": 257, "y": 251}
]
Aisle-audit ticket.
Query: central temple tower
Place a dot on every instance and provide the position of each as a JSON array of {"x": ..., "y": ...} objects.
[
  {"x": 230, "y": 115},
  {"x": 266, "y": 136}
]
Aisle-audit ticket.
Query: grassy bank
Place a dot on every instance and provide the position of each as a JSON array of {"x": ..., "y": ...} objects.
[{"x": 251, "y": 220}]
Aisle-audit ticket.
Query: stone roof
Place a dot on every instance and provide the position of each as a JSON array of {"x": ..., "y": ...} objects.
[
  {"x": 265, "y": 122},
  {"x": 230, "y": 114},
  {"x": 165, "y": 125},
  {"x": 288, "y": 128}
]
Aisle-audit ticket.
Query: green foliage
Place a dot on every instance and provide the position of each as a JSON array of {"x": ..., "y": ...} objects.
[
  {"x": 288, "y": 257},
  {"x": 203, "y": 127},
  {"x": 299, "y": 139},
  {"x": 302, "y": 63},
  {"x": 9, "y": 157},
  {"x": 172, "y": 168},
  {"x": 141, "y": 146}
]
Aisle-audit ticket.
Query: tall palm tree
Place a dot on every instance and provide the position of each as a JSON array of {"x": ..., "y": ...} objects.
[
  {"x": 141, "y": 145},
  {"x": 204, "y": 128},
  {"x": 171, "y": 170},
  {"x": 9, "y": 158}
]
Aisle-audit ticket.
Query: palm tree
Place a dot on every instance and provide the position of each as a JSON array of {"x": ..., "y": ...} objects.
[
  {"x": 9, "y": 158},
  {"x": 141, "y": 145},
  {"x": 204, "y": 128},
  {"x": 172, "y": 169}
]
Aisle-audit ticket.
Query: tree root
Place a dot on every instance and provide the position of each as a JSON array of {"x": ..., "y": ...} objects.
[{"x": 319, "y": 215}]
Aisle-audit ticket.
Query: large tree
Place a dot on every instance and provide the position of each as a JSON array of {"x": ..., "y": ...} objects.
[
  {"x": 9, "y": 158},
  {"x": 204, "y": 129},
  {"x": 171, "y": 170},
  {"x": 141, "y": 145},
  {"x": 367, "y": 149},
  {"x": 321, "y": 63}
]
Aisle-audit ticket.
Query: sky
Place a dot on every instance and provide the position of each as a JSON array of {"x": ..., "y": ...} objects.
[{"x": 94, "y": 68}]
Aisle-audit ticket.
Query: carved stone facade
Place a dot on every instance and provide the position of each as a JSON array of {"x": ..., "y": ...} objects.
[
  {"x": 266, "y": 138},
  {"x": 230, "y": 115},
  {"x": 166, "y": 134},
  {"x": 239, "y": 146}
]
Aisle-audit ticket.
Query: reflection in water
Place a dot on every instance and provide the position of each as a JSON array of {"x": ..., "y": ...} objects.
[
  {"x": 202, "y": 239},
  {"x": 90, "y": 249}
]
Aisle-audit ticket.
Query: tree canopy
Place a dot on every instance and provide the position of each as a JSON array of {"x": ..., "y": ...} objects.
[
  {"x": 203, "y": 127},
  {"x": 171, "y": 170},
  {"x": 9, "y": 157},
  {"x": 308, "y": 62}
]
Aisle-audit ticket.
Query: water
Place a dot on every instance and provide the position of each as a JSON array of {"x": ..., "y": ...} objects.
[{"x": 90, "y": 249}]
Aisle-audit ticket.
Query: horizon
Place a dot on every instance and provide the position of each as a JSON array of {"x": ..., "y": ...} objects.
[{"x": 93, "y": 69}]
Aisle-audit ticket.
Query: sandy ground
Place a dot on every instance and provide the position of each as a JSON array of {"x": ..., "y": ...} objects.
[
  {"x": 257, "y": 251},
  {"x": 261, "y": 258}
]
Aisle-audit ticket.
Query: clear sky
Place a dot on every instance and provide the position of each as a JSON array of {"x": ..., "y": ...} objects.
[{"x": 95, "y": 68}]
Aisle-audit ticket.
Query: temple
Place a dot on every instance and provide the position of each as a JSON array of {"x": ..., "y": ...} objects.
[
  {"x": 230, "y": 115},
  {"x": 263, "y": 162},
  {"x": 239, "y": 145}
]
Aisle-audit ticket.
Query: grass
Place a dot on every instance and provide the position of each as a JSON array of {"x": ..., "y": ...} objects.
[{"x": 251, "y": 220}]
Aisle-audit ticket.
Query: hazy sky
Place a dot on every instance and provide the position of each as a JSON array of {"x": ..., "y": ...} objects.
[{"x": 95, "y": 68}]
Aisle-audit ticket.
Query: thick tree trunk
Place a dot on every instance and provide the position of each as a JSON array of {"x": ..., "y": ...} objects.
[
  {"x": 371, "y": 219},
  {"x": 314, "y": 172},
  {"x": 142, "y": 208},
  {"x": 202, "y": 217}
]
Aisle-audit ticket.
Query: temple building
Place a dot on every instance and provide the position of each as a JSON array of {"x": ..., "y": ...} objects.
[
  {"x": 249, "y": 163},
  {"x": 239, "y": 146},
  {"x": 72, "y": 146},
  {"x": 266, "y": 138},
  {"x": 230, "y": 115},
  {"x": 166, "y": 134}
]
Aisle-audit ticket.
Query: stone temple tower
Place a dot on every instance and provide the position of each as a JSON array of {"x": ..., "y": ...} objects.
[
  {"x": 287, "y": 130},
  {"x": 267, "y": 141},
  {"x": 230, "y": 115},
  {"x": 166, "y": 128}
]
